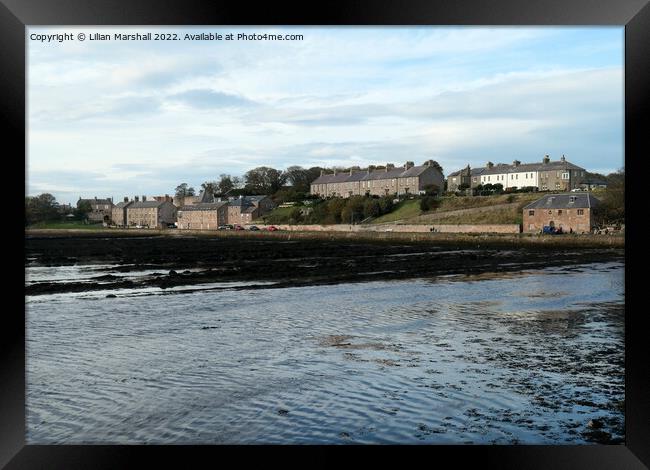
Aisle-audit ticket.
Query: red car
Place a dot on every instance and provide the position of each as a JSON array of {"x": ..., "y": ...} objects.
[
  {"x": 239, "y": 227},
  {"x": 271, "y": 228}
]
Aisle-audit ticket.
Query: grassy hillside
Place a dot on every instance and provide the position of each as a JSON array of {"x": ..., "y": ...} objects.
[
  {"x": 501, "y": 209},
  {"x": 404, "y": 210}
]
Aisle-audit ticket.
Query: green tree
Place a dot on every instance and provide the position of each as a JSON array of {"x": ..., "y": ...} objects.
[
  {"x": 371, "y": 208},
  {"x": 353, "y": 210},
  {"x": 41, "y": 208},
  {"x": 295, "y": 216},
  {"x": 211, "y": 187},
  {"x": 264, "y": 180},
  {"x": 83, "y": 209},
  {"x": 300, "y": 178},
  {"x": 183, "y": 190},
  {"x": 227, "y": 184}
]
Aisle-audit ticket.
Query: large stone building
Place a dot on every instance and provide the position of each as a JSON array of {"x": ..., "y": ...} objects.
[
  {"x": 409, "y": 179},
  {"x": 209, "y": 213},
  {"x": 203, "y": 216},
  {"x": 119, "y": 212},
  {"x": 465, "y": 178},
  {"x": 150, "y": 214},
  {"x": 571, "y": 212},
  {"x": 101, "y": 209},
  {"x": 560, "y": 175}
]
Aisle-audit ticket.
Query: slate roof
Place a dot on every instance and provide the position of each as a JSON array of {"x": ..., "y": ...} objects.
[
  {"x": 472, "y": 171},
  {"x": 524, "y": 167},
  {"x": 381, "y": 174},
  {"x": 121, "y": 205},
  {"x": 145, "y": 204},
  {"x": 564, "y": 201},
  {"x": 203, "y": 206}
]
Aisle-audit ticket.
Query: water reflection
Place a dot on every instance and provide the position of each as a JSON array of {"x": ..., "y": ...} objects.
[{"x": 525, "y": 358}]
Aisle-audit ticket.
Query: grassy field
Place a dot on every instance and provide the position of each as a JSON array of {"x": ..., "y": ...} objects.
[
  {"x": 279, "y": 215},
  {"x": 404, "y": 210},
  {"x": 451, "y": 203},
  {"x": 501, "y": 209},
  {"x": 75, "y": 224}
]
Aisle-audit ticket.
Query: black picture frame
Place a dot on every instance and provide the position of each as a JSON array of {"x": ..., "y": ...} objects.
[{"x": 633, "y": 14}]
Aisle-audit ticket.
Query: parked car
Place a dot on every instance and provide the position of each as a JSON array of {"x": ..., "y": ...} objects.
[
  {"x": 225, "y": 227},
  {"x": 272, "y": 228},
  {"x": 253, "y": 228},
  {"x": 239, "y": 227}
]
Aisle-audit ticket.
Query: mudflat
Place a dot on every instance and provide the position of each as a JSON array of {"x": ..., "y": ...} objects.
[{"x": 286, "y": 260}]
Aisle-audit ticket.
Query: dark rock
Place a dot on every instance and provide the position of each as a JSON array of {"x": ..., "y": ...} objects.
[
  {"x": 283, "y": 412},
  {"x": 595, "y": 424},
  {"x": 111, "y": 296},
  {"x": 173, "y": 273}
]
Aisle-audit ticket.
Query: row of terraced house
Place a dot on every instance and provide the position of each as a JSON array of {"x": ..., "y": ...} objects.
[{"x": 202, "y": 212}]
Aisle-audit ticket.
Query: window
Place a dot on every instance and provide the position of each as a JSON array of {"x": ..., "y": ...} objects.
[
  {"x": 565, "y": 176},
  {"x": 531, "y": 212},
  {"x": 559, "y": 212},
  {"x": 581, "y": 212},
  {"x": 550, "y": 211}
]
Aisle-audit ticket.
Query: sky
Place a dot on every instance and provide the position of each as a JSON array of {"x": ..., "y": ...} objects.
[{"x": 123, "y": 118}]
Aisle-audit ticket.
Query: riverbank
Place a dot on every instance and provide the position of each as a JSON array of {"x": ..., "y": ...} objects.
[
  {"x": 287, "y": 259},
  {"x": 474, "y": 240}
]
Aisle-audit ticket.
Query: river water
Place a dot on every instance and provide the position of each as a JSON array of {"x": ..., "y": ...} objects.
[{"x": 527, "y": 357}]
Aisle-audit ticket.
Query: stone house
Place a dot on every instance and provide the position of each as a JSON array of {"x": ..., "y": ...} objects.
[
  {"x": 210, "y": 213},
  {"x": 243, "y": 210},
  {"x": 150, "y": 214},
  {"x": 203, "y": 216},
  {"x": 470, "y": 177},
  {"x": 101, "y": 209},
  {"x": 571, "y": 212},
  {"x": 409, "y": 179},
  {"x": 560, "y": 175},
  {"x": 118, "y": 213}
]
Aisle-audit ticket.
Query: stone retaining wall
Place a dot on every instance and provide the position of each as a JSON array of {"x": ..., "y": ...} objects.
[{"x": 494, "y": 228}]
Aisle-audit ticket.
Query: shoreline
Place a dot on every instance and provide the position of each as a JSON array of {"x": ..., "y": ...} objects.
[
  {"x": 286, "y": 259},
  {"x": 521, "y": 240}
]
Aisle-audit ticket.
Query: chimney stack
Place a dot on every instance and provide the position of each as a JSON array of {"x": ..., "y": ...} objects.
[
  {"x": 144, "y": 198},
  {"x": 516, "y": 163},
  {"x": 136, "y": 198},
  {"x": 546, "y": 159},
  {"x": 126, "y": 199},
  {"x": 351, "y": 171},
  {"x": 489, "y": 164},
  {"x": 321, "y": 172},
  {"x": 408, "y": 165},
  {"x": 563, "y": 158}
]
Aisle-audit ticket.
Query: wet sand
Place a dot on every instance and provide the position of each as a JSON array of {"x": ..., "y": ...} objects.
[{"x": 193, "y": 261}]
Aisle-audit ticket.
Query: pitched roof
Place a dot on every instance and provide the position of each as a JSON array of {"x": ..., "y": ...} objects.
[
  {"x": 472, "y": 171},
  {"x": 524, "y": 167},
  {"x": 121, "y": 205},
  {"x": 146, "y": 204},
  {"x": 381, "y": 174},
  {"x": 203, "y": 206},
  {"x": 564, "y": 201}
]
